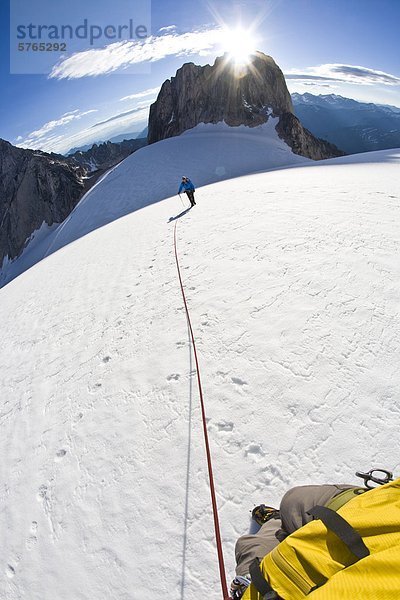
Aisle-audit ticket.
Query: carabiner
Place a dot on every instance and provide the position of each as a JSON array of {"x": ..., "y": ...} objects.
[{"x": 370, "y": 477}]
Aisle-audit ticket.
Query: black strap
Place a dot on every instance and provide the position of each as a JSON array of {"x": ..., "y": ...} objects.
[
  {"x": 340, "y": 527},
  {"x": 258, "y": 580}
]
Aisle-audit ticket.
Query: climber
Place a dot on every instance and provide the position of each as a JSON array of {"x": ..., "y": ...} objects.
[
  {"x": 276, "y": 525},
  {"x": 188, "y": 187},
  {"x": 307, "y": 545}
]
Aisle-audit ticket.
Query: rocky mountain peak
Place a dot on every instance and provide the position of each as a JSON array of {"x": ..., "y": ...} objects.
[
  {"x": 248, "y": 95},
  {"x": 220, "y": 92}
]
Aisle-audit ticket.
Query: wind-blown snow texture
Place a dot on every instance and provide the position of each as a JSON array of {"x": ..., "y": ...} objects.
[{"x": 292, "y": 278}]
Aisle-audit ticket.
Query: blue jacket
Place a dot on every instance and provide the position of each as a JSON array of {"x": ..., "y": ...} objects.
[{"x": 186, "y": 186}]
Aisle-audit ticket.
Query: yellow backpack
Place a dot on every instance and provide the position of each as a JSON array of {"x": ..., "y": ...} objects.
[{"x": 351, "y": 554}]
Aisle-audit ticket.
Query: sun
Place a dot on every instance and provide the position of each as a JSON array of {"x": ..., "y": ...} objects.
[{"x": 239, "y": 43}]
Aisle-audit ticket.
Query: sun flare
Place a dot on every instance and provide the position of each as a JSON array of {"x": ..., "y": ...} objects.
[{"x": 239, "y": 43}]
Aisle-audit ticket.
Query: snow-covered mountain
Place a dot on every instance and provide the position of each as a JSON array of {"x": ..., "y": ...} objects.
[
  {"x": 208, "y": 153},
  {"x": 351, "y": 125},
  {"x": 292, "y": 278}
]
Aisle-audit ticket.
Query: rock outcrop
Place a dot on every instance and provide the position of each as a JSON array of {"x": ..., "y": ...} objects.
[
  {"x": 34, "y": 188},
  {"x": 302, "y": 141},
  {"x": 37, "y": 188},
  {"x": 222, "y": 92}
]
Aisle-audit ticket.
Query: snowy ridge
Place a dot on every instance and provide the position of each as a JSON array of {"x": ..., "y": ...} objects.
[
  {"x": 292, "y": 278},
  {"x": 208, "y": 153}
]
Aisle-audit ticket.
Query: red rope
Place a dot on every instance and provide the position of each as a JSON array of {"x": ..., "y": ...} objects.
[{"x": 208, "y": 453}]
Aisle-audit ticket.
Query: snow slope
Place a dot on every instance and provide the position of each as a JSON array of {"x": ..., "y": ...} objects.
[
  {"x": 206, "y": 153},
  {"x": 292, "y": 278}
]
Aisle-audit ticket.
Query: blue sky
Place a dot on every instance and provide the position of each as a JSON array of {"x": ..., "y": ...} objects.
[{"x": 346, "y": 47}]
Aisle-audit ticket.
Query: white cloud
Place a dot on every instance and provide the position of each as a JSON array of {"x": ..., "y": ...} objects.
[
  {"x": 149, "y": 92},
  {"x": 341, "y": 73},
  {"x": 146, "y": 103},
  {"x": 41, "y": 136},
  {"x": 120, "y": 55},
  {"x": 168, "y": 28},
  {"x": 122, "y": 115},
  {"x": 59, "y": 140},
  {"x": 316, "y": 84},
  {"x": 71, "y": 112},
  {"x": 122, "y": 124}
]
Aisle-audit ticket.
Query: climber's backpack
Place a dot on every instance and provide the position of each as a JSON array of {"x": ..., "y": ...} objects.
[{"x": 351, "y": 554}]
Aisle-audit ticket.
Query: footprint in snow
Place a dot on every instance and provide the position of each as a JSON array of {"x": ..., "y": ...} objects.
[
  {"x": 271, "y": 474},
  {"x": 34, "y": 527},
  {"x": 173, "y": 376},
  {"x": 31, "y": 542},
  {"x": 106, "y": 359},
  {"x": 238, "y": 381},
  {"x": 42, "y": 495},
  {"x": 60, "y": 455},
  {"x": 225, "y": 426},
  {"x": 10, "y": 571},
  {"x": 92, "y": 389},
  {"x": 254, "y": 452}
]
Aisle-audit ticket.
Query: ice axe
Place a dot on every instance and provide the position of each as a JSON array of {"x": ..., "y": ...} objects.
[{"x": 183, "y": 204}]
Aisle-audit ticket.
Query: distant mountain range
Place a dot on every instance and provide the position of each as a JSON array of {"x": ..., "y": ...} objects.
[
  {"x": 104, "y": 156},
  {"x": 352, "y": 126},
  {"x": 132, "y": 135}
]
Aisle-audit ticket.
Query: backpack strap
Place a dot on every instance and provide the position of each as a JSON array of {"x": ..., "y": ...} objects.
[
  {"x": 340, "y": 527},
  {"x": 260, "y": 583}
]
